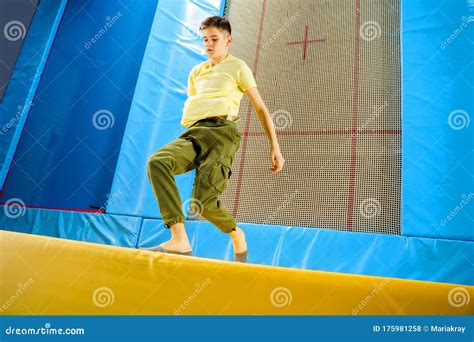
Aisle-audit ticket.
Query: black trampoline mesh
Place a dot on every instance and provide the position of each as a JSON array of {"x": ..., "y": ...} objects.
[{"x": 329, "y": 73}]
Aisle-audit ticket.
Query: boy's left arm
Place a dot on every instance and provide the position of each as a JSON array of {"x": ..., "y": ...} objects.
[{"x": 267, "y": 123}]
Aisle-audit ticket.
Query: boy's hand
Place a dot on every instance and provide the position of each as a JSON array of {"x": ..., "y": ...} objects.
[{"x": 276, "y": 159}]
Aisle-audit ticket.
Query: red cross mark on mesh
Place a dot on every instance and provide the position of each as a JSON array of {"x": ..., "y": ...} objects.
[{"x": 305, "y": 42}]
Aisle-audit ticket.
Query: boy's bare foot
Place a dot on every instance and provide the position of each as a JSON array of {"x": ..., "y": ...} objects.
[
  {"x": 176, "y": 246},
  {"x": 179, "y": 241},
  {"x": 238, "y": 240}
]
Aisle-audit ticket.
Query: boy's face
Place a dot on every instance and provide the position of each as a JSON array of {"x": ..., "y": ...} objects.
[{"x": 216, "y": 41}]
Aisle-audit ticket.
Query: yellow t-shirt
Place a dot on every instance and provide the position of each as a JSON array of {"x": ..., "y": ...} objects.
[{"x": 216, "y": 90}]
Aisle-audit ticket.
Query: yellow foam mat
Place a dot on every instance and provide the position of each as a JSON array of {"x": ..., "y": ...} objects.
[{"x": 50, "y": 276}]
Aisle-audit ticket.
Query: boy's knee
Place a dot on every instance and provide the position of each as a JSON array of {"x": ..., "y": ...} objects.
[
  {"x": 158, "y": 161},
  {"x": 206, "y": 199}
]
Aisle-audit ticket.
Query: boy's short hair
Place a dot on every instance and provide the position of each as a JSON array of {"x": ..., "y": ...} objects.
[{"x": 216, "y": 21}]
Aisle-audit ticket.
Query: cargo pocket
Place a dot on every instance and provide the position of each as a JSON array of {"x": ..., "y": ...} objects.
[{"x": 218, "y": 176}]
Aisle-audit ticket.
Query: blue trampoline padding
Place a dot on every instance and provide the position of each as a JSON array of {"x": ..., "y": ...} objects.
[
  {"x": 25, "y": 77},
  {"x": 437, "y": 102},
  {"x": 108, "y": 229},
  {"x": 75, "y": 129},
  {"x": 174, "y": 47},
  {"x": 330, "y": 250}
]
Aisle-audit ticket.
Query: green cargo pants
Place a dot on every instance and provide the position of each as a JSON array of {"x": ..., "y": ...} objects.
[{"x": 209, "y": 146}]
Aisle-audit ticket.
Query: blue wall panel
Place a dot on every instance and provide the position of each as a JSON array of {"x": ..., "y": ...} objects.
[
  {"x": 67, "y": 154},
  {"x": 175, "y": 46},
  {"x": 438, "y": 102},
  {"x": 113, "y": 230},
  {"x": 25, "y": 77}
]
